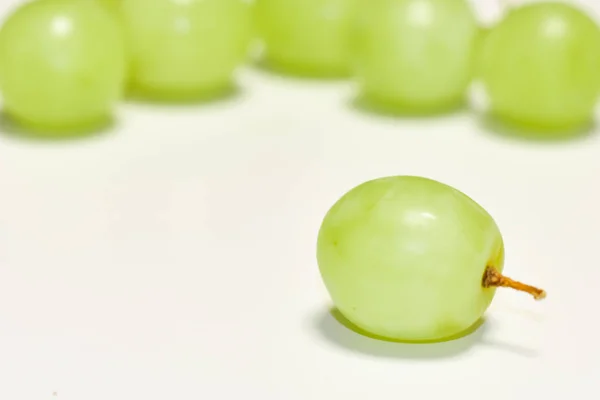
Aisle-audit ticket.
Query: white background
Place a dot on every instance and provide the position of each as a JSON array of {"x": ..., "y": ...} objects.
[{"x": 174, "y": 257}]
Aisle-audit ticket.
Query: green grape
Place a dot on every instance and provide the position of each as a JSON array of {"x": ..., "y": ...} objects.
[
  {"x": 111, "y": 5},
  {"x": 62, "y": 65},
  {"x": 414, "y": 56},
  {"x": 185, "y": 50},
  {"x": 306, "y": 37},
  {"x": 541, "y": 67},
  {"x": 411, "y": 259}
]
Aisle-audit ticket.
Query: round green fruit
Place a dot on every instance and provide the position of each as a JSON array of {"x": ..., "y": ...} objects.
[
  {"x": 306, "y": 37},
  {"x": 541, "y": 67},
  {"x": 411, "y": 259},
  {"x": 414, "y": 56},
  {"x": 62, "y": 65},
  {"x": 185, "y": 50}
]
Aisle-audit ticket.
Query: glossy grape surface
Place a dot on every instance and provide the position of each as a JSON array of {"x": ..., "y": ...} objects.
[
  {"x": 185, "y": 50},
  {"x": 541, "y": 67},
  {"x": 415, "y": 56},
  {"x": 62, "y": 65},
  {"x": 111, "y": 5},
  {"x": 306, "y": 37},
  {"x": 403, "y": 258}
]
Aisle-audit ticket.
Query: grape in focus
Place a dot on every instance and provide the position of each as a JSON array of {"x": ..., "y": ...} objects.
[
  {"x": 62, "y": 66},
  {"x": 411, "y": 259}
]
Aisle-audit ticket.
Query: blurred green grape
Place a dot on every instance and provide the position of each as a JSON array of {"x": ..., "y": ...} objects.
[
  {"x": 541, "y": 67},
  {"x": 185, "y": 50},
  {"x": 415, "y": 56},
  {"x": 111, "y": 5},
  {"x": 62, "y": 65},
  {"x": 306, "y": 37}
]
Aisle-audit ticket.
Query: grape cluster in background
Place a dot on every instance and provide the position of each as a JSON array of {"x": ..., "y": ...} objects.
[{"x": 66, "y": 64}]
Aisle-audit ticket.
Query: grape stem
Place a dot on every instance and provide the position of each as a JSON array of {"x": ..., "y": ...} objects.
[{"x": 493, "y": 278}]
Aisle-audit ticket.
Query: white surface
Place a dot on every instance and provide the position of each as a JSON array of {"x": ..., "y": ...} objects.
[{"x": 174, "y": 258}]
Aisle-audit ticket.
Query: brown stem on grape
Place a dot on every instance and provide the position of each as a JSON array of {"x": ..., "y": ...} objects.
[{"x": 493, "y": 278}]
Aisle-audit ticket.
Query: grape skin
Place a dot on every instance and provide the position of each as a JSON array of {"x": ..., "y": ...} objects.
[
  {"x": 540, "y": 67},
  {"x": 62, "y": 65},
  {"x": 111, "y": 5},
  {"x": 403, "y": 258},
  {"x": 414, "y": 56},
  {"x": 306, "y": 37},
  {"x": 185, "y": 50}
]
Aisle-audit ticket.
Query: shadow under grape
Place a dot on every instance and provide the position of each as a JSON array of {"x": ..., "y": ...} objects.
[
  {"x": 18, "y": 130},
  {"x": 299, "y": 72},
  {"x": 385, "y": 109},
  {"x": 337, "y": 330},
  {"x": 512, "y": 130},
  {"x": 178, "y": 98}
]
